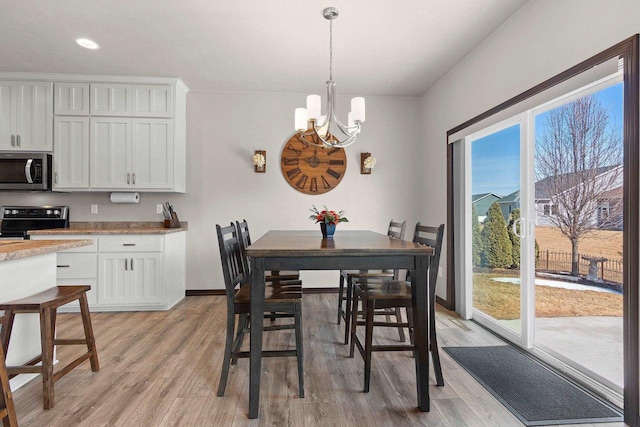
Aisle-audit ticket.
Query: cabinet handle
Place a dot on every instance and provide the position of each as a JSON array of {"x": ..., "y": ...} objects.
[
  {"x": 134, "y": 178},
  {"x": 18, "y": 140},
  {"x": 128, "y": 244},
  {"x": 13, "y": 140},
  {"x": 126, "y": 260},
  {"x": 131, "y": 264},
  {"x": 128, "y": 178},
  {"x": 63, "y": 266}
]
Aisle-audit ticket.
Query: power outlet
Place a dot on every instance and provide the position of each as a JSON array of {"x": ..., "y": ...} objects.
[
  {"x": 94, "y": 209},
  {"x": 159, "y": 208}
]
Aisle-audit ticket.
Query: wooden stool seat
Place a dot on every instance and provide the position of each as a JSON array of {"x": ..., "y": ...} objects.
[
  {"x": 46, "y": 304},
  {"x": 57, "y": 296}
]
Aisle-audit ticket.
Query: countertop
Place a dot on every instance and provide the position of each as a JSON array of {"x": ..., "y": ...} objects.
[
  {"x": 111, "y": 228},
  {"x": 15, "y": 249}
]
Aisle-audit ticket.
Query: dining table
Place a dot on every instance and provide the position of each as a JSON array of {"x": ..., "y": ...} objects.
[{"x": 347, "y": 250}]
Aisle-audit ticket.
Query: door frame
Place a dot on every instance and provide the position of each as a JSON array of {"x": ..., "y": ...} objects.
[{"x": 628, "y": 51}]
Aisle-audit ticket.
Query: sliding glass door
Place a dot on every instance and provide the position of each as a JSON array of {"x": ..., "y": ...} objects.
[
  {"x": 543, "y": 199},
  {"x": 497, "y": 227}
]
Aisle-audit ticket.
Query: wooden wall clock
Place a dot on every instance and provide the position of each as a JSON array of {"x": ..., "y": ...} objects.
[{"x": 311, "y": 169}]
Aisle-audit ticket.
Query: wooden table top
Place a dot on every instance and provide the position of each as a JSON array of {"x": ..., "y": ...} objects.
[{"x": 292, "y": 243}]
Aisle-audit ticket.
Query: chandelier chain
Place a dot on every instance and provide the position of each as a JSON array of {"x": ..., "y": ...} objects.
[{"x": 331, "y": 50}]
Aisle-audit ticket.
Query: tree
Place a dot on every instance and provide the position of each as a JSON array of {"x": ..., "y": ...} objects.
[
  {"x": 515, "y": 240},
  {"x": 476, "y": 243},
  {"x": 495, "y": 240},
  {"x": 577, "y": 161}
]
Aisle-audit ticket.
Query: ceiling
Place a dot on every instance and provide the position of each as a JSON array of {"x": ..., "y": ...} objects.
[{"x": 252, "y": 45}]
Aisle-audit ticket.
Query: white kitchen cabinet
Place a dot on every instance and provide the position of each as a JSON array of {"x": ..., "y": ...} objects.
[
  {"x": 71, "y": 99},
  {"x": 110, "y": 150},
  {"x": 131, "y": 153},
  {"x": 126, "y": 271},
  {"x": 110, "y": 99},
  {"x": 152, "y": 154},
  {"x": 71, "y": 153},
  {"x": 130, "y": 278},
  {"x": 26, "y": 112},
  {"x": 152, "y": 101}
]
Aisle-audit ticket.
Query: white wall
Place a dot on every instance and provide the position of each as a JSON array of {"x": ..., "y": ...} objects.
[
  {"x": 544, "y": 38},
  {"x": 223, "y": 130}
]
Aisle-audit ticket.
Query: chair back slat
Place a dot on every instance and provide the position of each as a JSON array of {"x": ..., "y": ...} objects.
[
  {"x": 431, "y": 236},
  {"x": 231, "y": 256},
  {"x": 396, "y": 229},
  {"x": 245, "y": 241}
]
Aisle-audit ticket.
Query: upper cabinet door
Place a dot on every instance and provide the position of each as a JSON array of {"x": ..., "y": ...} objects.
[
  {"x": 110, "y": 151},
  {"x": 7, "y": 116},
  {"x": 71, "y": 99},
  {"x": 111, "y": 99},
  {"x": 152, "y": 101},
  {"x": 152, "y": 153},
  {"x": 34, "y": 118},
  {"x": 26, "y": 113},
  {"x": 71, "y": 153}
]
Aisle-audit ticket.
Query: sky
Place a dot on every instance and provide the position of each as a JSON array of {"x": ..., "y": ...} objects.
[{"x": 495, "y": 158}]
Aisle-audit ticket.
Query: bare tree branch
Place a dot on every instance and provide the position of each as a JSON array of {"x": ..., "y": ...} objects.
[{"x": 577, "y": 163}]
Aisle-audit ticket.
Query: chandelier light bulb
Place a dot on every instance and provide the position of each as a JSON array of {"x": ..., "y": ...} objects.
[
  {"x": 313, "y": 107},
  {"x": 301, "y": 119}
]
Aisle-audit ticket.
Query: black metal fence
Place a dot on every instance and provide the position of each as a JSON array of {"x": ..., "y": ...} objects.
[{"x": 610, "y": 270}]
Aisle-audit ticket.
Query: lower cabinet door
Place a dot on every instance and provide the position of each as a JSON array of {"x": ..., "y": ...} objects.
[
  {"x": 145, "y": 278},
  {"x": 113, "y": 272},
  {"x": 130, "y": 278}
]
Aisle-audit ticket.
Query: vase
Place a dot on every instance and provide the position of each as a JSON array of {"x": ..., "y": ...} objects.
[{"x": 327, "y": 230}]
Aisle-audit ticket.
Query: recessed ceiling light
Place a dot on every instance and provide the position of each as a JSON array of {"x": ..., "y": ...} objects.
[{"x": 89, "y": 44}]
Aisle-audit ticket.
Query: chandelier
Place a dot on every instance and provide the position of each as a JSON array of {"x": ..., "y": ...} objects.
[{"x": 323, "y": 130}]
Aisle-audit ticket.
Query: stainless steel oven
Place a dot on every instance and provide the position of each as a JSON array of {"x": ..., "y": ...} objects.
[
  {"x": 18, "y": 220},
  {"x": 21, "y": 171}
]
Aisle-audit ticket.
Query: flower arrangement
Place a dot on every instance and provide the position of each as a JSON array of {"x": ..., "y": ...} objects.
[
  {"x": 370, "y": 162},
  {"x": 327, "y": 217},
  {"x": 259, "y": 160}
]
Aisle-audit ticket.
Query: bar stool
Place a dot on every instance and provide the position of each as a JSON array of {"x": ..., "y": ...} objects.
[
  {"x": 46, "y": 304},
  {"x": 7, "y": 410}
]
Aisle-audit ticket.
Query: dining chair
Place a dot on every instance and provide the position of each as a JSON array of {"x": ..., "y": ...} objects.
[
  {"x": 280, "y": 301},
  {"x": 383, "y": 292},
  {"x": 395, "y": 231},
  {"x": 270, "y": 276}
]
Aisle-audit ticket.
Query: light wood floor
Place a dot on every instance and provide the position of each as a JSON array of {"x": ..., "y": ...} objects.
[{"x": 162, "y": 368}]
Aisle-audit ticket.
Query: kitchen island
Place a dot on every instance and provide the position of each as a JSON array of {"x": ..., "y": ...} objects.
[{"x": 26, "y": 268}]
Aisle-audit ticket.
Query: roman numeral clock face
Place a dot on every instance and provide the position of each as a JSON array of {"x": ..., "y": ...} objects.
[{"x": 311, "y": 169}]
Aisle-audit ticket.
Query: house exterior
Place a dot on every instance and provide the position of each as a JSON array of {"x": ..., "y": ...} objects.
[
  {"x": 604, "y": 213},
  {"x": 482, "y": 202}
]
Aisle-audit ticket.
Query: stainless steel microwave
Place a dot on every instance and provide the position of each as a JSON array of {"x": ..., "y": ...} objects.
[{"x": 22, "y": 171}]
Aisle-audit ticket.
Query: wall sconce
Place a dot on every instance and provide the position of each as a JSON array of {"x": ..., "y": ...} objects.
[
  {"x": 260, "y": 161},
  {"x": 367, "y": 162}
]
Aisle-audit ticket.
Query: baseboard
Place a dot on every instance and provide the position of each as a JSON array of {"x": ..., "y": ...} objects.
[{"x": 205, "y": 292}]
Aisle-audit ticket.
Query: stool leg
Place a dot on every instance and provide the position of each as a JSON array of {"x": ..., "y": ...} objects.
[
  {"x": 47, "y": 358},
  {"x": 7, "y": 326},
  {"x": 6, "y": 398},
  {"x": 88, "y": 332},
  {"x": 347, "y": 319}
]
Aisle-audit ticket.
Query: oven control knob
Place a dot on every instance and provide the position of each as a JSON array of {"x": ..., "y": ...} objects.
[
  {"x": 48, "y": 211},
  {"x": 15, "y": 212},
  {"x": 56, "y": 212}
]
